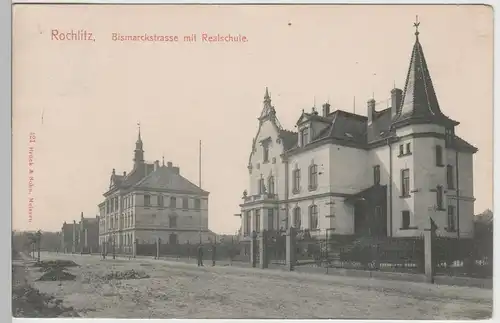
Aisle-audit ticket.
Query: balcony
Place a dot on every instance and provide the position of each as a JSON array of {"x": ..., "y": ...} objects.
[{"x": 259, "y": 198}]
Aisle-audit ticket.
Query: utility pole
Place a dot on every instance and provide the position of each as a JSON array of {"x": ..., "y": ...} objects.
[{"x": 199, "y": 184}]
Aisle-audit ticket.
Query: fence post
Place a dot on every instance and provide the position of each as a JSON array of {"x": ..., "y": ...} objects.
[
  {"x": 290, "y": 248},
  {"x": 253, "y": 249},
  {"x": 263, "y": 249},
  {"x": 134, "y": 248},
  {"x": 429, "y": 264},
  {"x": 158, "y": 248}
]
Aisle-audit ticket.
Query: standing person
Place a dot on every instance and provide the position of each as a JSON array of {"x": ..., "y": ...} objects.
[
  {"x": 213, "y": 254},
  {"x": 200, "y": 255}
]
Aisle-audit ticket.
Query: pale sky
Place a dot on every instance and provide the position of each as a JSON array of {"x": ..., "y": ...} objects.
[{"x": 92, "y": 94}]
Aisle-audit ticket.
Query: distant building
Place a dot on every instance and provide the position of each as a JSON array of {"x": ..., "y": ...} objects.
[
  {"x": 152, "y": 201},
  {"x": 81, "y": 237},
  {"x": 68, "y": 237},
  {"x": 385, "y": 174},
  {"x": 88, "y": 233}
]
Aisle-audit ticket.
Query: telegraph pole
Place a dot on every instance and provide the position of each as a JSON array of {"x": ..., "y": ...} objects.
[{"x": 199, "y": 184}]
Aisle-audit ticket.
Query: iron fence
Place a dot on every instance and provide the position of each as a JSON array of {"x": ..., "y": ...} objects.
[
  {"x": 463, "y": 257},
  {"x": 353, "y": 252}
]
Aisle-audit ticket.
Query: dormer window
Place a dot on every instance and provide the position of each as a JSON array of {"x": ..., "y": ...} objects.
[
  {"x": 449, "y": 134},
  {"x": 304, "y": 134}
]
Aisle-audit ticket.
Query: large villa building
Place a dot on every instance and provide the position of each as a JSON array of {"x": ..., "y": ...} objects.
[
  {"x": 384, "y": 174},
  {"x": 150, "y": 202}
]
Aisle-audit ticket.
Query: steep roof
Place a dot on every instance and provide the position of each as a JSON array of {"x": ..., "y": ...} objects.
[
  {"x": 420, "y": 103},
  {"x": 380, "y": 126},
  {"x": 168, "y": 178},
  {"x": 289, "y": 138}
]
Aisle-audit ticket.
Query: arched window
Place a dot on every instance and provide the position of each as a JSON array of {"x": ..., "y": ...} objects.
[
  {"x": 313, "y": 177},
  {"x": 270, "y": 184},
  {"x": 313, "y": 217}
]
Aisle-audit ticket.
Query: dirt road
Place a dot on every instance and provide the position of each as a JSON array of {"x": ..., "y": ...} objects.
[{"x": 178, "y": 290}]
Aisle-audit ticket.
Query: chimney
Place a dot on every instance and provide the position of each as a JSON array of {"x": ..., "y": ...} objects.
[
  {"x": 124, "y": 173},
  {"x": 396, "y": 98},
  {"x": 81, "y": 215},
  {"x": 157, "y": 165},
  {"x": 176, "y": 170},
  {"x": 326, "y": 109},
  {"x": 169, "y": 164},
  {"x": 370, "y": 110}
]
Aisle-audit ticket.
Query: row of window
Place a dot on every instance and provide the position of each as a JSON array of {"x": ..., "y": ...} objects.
[
  {"x": 297, "y": 219},
  {"x": 112, "y": 204},
  {"x": 405, "y": 179},
  {"x": 127, "y": 222},
  {"x": 173, "y": 202},
  {"x": 405, "y": 149},
  {"x": 312, "y": 179},
  {"x": 451, "y": 219}
]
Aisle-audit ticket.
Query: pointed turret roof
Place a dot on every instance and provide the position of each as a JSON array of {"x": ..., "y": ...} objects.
[
  {"x": 139, "y": 139},
  {"x": 420, "y": 103},
  {"x": 267, "y": 108}
]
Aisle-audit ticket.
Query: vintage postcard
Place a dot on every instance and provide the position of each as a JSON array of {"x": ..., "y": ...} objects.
[{"x": 252, "y": 161}]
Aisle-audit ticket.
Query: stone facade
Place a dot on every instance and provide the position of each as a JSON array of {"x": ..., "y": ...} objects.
[
  {"x": 152, "y": 201},
  {"x": 387, "y": 173}
]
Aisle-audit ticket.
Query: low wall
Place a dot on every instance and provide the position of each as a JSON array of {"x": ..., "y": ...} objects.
[
  {"x": 409, "y": 277},
  {"x": 464, "y": 281}
]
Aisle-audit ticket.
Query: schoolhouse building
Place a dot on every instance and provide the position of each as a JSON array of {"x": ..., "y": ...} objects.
[
  {"x": 152, "y": 201},
  {"x": 388, "y": 173}
]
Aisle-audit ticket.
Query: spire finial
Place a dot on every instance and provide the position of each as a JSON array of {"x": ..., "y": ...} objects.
[
  {"x": 416, "y": 24},
  {"x": 266, "y": 96},
  {"x": 163, "y": 159},
  {"x": 139, "y": 127}
]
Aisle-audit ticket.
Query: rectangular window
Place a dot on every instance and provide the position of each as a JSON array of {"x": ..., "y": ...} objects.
[
  {"x": 439, "y": 197},
  {"x": 197, "y": 204},
  {"x": 408, "y": 150},
  {"x": 451, "y": 218},
  {"x": 257, "y": 220},
  {"x": 247, "y": 224},
  {"x": 265, "y": 152},
  {"x": 270, "y": 219},
  {"x": 376, "y": 175},
  {"x": 172, "y": 221},
  {"x": 449, "y": 177},
  {"x": 313, "y": 177},
  {"x": 160, "y": 200},
  {"x": 297, "y": 218},
  {"x": 313, "y": 217},
  {"x": 405, "y": 221},
  {"x": 296, "y": 180},
  {"x": 185, "y": 203},
  {"x": 116, "y": 204},
  {"x": 439, "y": 155},
  {"x": 173, "y": 202},
  {"x": 405, "y": 183},
  {"x": 305, "y": 136},
  {"x": 147, "y": 200},
  {"x": 401, "y": 150}
]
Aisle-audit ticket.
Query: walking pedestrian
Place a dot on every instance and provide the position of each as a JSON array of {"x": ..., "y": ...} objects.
[
  {"x": 213, "y": 254},
  {"x": 200, "y": 255}
]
